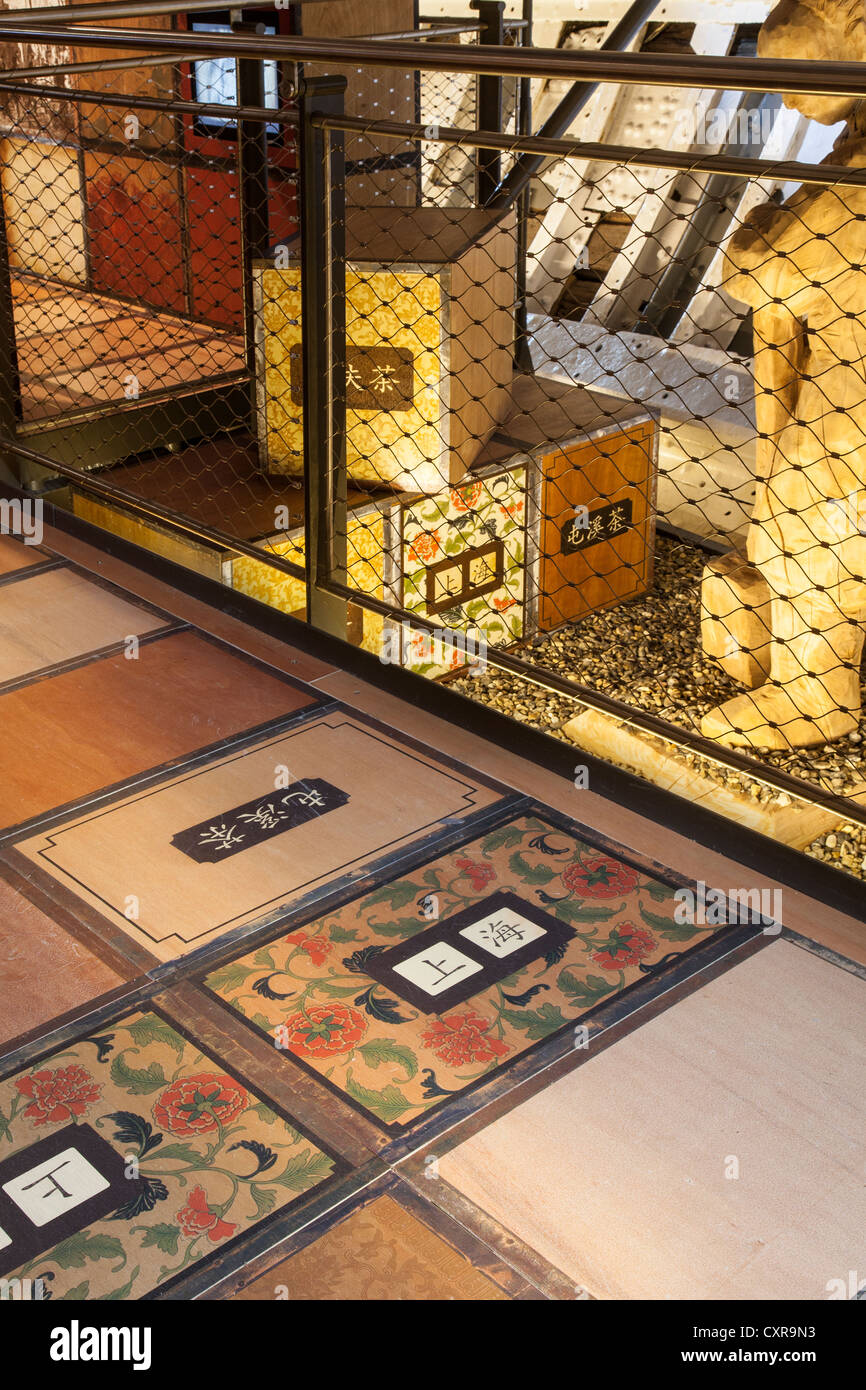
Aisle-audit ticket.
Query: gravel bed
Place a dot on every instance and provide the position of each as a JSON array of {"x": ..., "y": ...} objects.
[{"x": 648, "y": 654}]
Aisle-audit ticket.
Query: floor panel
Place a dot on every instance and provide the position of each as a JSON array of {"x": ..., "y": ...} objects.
[
  {"x": 717, "y": 1152},
  {"x": 225, "y": 844},
  {"x": 55, "y": 617},
  {"x": 180, "y": 694},
  {"x": 213, "y": 1161},
  {"x": 429, "y": 985},
  {"x": 379, "y": 1253},
  {"x": 44, "y": 970},
  {"x": 15, "y": 555}
]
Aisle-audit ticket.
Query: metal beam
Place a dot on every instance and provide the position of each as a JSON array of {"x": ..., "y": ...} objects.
[
  {"x": 660, "y": 70},
  {"x": 778, "y": 170}
]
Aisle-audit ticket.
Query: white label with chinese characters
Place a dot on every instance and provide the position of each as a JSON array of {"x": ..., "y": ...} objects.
[
  {"x": 437, "y": 968},
  {"x": 56, "y": 1186},
  {"x": 502, "y": 932}
]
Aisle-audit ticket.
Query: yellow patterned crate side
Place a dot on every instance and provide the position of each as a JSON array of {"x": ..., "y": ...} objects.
[
  {"x": 365, "y": 542},
  {"x": 365, "y": 560},
  {"x": 200, "y": 558},
  {"x": 259, "y": 580},
  {"x": 44, "y": 209},
  {"x": 401, "y": 309}
]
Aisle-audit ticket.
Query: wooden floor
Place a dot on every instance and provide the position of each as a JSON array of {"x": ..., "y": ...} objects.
[
  {"x": 235, "y": 885},
  {"x": 78, "y": 351}
]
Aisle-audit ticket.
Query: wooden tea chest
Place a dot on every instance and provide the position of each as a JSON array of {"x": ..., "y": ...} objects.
[{"x": 429, "y": 342}]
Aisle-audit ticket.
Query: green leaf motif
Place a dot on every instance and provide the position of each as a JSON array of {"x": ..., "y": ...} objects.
[
  {"x": 389, "y": 1103},
  {"x": 229, "y": 977},
  {"x": 124, "y": 1291},
  {"x": 586, "y": 992},
  {"x": 185, "y": 1153},
  {"x": 340, "y": 934},
  {"x": 571, "y": 911},
  {"x": 379, "y": 1050},
  {"x": 536, "y": 1023},
  {"x": 77, "y": 1294},
  {"x": 152, "y": 1029},
  {"x": 530, "y": 873},
  {"x": 5, "y": 1131},
  {"x": 304, "y": 1170},
  {"x": 137, "y": 1082},
  {"x": 162, "y": 1235},
  {"x": 396, "y": 895},
  {"x": 73, "y": 1252},
  {"x": 264, "y": 957},
  {"x": 667, "y": 927},
  {"x": 503, "y": 838},
  {"x": 662, "y": 892},
  {"x": 264, "y": 1198}
]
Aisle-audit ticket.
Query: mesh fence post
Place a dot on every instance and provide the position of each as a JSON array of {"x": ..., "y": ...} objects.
[
  {"x": 252, "y": 186},
  {"x": 488, "y": 168},
  {"x": 323, "y": 309},
  {"x": 10, "y": 393}
]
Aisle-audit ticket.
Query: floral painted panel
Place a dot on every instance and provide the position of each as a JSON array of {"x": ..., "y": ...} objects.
[
  {"x": 460, "y": 519},
  {"x": 311, "y": 992},
  {"x": 211, "y": 1159}
]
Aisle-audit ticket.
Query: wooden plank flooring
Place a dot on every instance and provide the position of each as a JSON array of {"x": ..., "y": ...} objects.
[{"x": 78, "y": 350}]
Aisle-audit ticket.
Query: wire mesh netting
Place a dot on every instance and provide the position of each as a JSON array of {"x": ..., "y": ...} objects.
[{"x": 595, "y": 450}]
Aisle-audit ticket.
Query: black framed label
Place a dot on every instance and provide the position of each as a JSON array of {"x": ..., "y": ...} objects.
[
  {"x": 377, "y": 378},
  {"x": 242, "y": 827},
  {"x": 600, "y": 524},
  {"x": 457, "y": 579},
  {"x": 55, "y": 1188},
  {"x": 467, "y": 952}
]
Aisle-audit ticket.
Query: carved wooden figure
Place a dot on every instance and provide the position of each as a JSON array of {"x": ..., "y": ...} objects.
[{"x": 789, "y": 618}]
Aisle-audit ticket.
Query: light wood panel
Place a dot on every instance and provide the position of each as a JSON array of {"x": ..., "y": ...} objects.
[{"x": 622, "y": 1174}]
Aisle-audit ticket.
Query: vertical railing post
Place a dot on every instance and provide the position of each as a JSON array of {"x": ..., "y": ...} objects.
[
  {"x": 489, "y": 113},
  {"x": 522, "y": 355},
  {"x": 252, "y": 188},
  {"x": 323, "y": 326},
  {"x": 10, "y": 382}
]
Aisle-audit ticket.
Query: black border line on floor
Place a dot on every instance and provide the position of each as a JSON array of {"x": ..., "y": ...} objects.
[
  {"x": 717, "y": 833},
  {"x": 30, "y": 571}
]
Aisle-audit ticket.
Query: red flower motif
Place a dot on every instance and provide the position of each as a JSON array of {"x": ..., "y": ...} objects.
[
  {"x": 199, "y": 1104},
  {"x": 599, "y": 878},
  {"x": 460, "y": 1038},
  {"x": 322, "y": 1030},
  {"x": 479, "y": 874},
  {"x": 463, "y": 499},
  {"x": 626, "y": 945},
  {"x": 501, "y": 604},
  {"x": 511, "y": 509},
  {"x": 196, "y": 1218},
  {"x": 316, "y": 947},
  {"x": 425, "y": 547},
  {"x": 58, "y": 1095}
]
